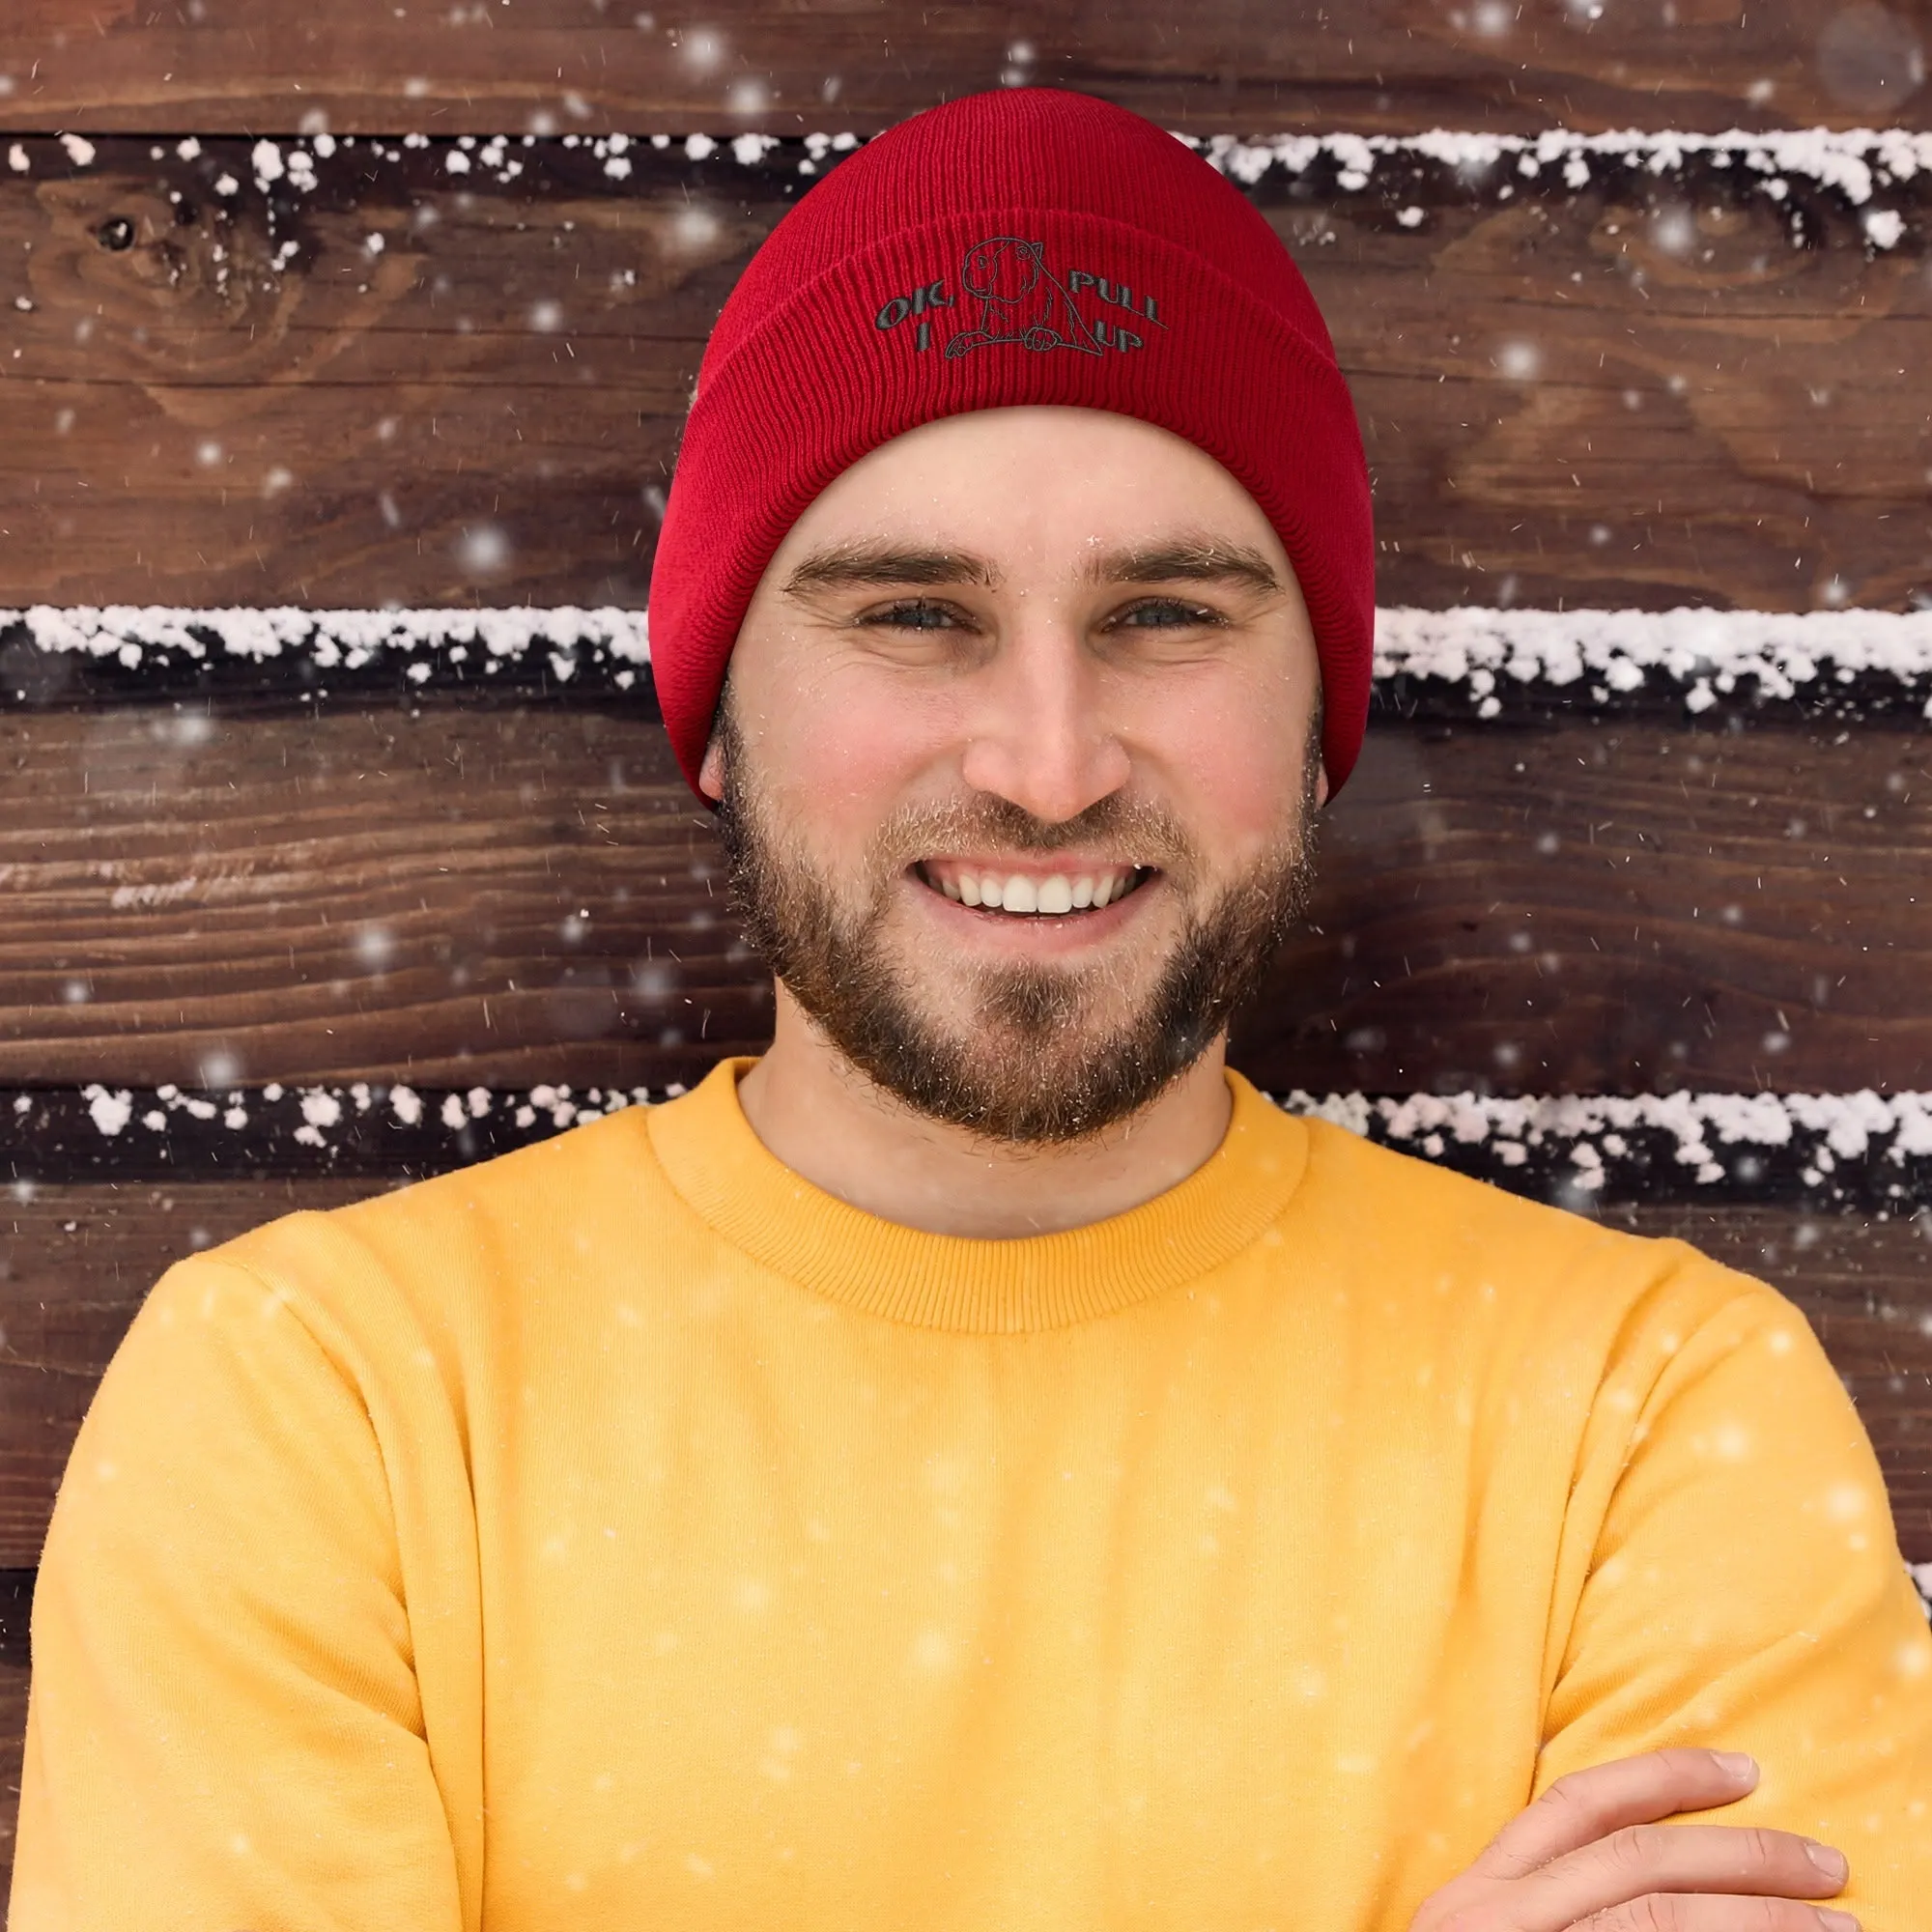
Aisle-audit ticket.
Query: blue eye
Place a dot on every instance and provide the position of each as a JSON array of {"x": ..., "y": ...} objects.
[
  {"x": 916, "y": 615},
  {"x": 1164, "y": 614}
]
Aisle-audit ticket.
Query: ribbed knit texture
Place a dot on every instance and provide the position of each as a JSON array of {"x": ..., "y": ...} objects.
[
  {"x": 625, "y": 1534},
  {"x": 972, "y": 1285},
  {"x": 1081, "y": 221}
]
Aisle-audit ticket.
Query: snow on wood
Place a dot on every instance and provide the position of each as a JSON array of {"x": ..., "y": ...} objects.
[
  {"x": 1480, "y": 654},
  {"x": 1828, "y": 1151}
]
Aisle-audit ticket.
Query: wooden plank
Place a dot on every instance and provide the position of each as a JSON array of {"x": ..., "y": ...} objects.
[
  {"x": 1611, "y": 908},
  {"x": 462, "y": 894},
  {"x": 270, "y": 64},
  {"x": 454, "y": 896},
  {"x": 77, "y": 1261},
  {"x": 1649, "y": 390}
]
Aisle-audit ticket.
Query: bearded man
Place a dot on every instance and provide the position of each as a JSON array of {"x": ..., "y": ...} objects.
[{"x": 979, "y": 1464}]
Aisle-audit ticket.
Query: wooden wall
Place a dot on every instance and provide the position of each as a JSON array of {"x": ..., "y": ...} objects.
[{"x": 402, "y": 356}]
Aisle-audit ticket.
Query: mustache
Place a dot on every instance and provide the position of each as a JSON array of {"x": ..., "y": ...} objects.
[{"x": 1138, "y": 831}]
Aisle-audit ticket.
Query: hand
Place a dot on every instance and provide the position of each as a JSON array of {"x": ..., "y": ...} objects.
[{"x": 1590, "y": 1855}]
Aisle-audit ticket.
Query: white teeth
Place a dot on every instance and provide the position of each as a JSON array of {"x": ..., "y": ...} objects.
[{"x": 1016, "y": 893}]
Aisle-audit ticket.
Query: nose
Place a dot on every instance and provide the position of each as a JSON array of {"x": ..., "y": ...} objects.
[{"x": 1037, "y": 730}]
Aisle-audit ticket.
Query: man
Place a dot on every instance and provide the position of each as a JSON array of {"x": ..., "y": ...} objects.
[{"x": 980, "y": 1465}]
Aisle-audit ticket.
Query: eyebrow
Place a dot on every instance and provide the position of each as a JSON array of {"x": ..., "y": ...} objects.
[
  {"x": 1183, "y": 560},
  {"x": 1187, "y": 560},
  {"x": 851, "y": 566}
]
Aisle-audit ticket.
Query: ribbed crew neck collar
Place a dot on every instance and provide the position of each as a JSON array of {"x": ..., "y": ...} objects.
[{"x": 725, "y": 1173}]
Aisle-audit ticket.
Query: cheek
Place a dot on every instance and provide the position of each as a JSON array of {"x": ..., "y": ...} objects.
[
  {"x": 1231, "y": 760},
  {"x": 839, "y": 755}
]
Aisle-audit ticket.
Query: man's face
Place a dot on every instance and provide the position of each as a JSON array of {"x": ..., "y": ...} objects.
[{"x": 1018, "y": 762}]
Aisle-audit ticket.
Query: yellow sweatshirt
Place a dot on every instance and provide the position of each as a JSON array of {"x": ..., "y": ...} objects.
[{"x": 622, "y": 1534}]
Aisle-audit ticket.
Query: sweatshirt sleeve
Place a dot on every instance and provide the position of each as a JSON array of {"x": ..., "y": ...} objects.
[
  {"x": 1744, "y": 1588},
  {"x": 225, "y": 1726}
]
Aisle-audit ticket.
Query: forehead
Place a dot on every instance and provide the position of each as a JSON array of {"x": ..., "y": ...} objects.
[{"x": 1042, "y": 484}]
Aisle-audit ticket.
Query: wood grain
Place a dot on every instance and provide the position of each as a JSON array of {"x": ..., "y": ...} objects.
[
  {"x": 459, "y": 895},
  {"x": 1608, "y": 908},
  {"x": 487, "y": 894},
  {"x": 271, "y": 65},
  {"x": 77, "y": 1261},
  {"x": 1642, "y": 392}
]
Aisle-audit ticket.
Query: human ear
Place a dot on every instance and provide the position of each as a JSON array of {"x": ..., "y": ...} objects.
[{"x": 710, "y": 773}]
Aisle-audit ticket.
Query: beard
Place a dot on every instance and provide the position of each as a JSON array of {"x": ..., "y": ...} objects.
[{"x": 1041, "y": 1062}]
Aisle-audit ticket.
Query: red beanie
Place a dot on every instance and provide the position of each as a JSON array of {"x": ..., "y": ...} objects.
[{"x": 1024, "y": 246}]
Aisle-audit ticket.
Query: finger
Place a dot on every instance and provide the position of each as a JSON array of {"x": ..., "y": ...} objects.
[
  {"x": 1587, "y": 1806},
  {"x": 1644, "y": 1860},
  {"x": 1714, "y": 1912}
]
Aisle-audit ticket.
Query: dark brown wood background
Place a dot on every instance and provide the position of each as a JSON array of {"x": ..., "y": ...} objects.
[
  {"x": 1719, "y": 413},
  {"x": 560, "y": 66},
  {"x": 1645, "y": 391}
]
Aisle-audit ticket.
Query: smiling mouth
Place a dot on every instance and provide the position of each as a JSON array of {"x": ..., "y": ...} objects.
[{"x": 1030, "y": 894}]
